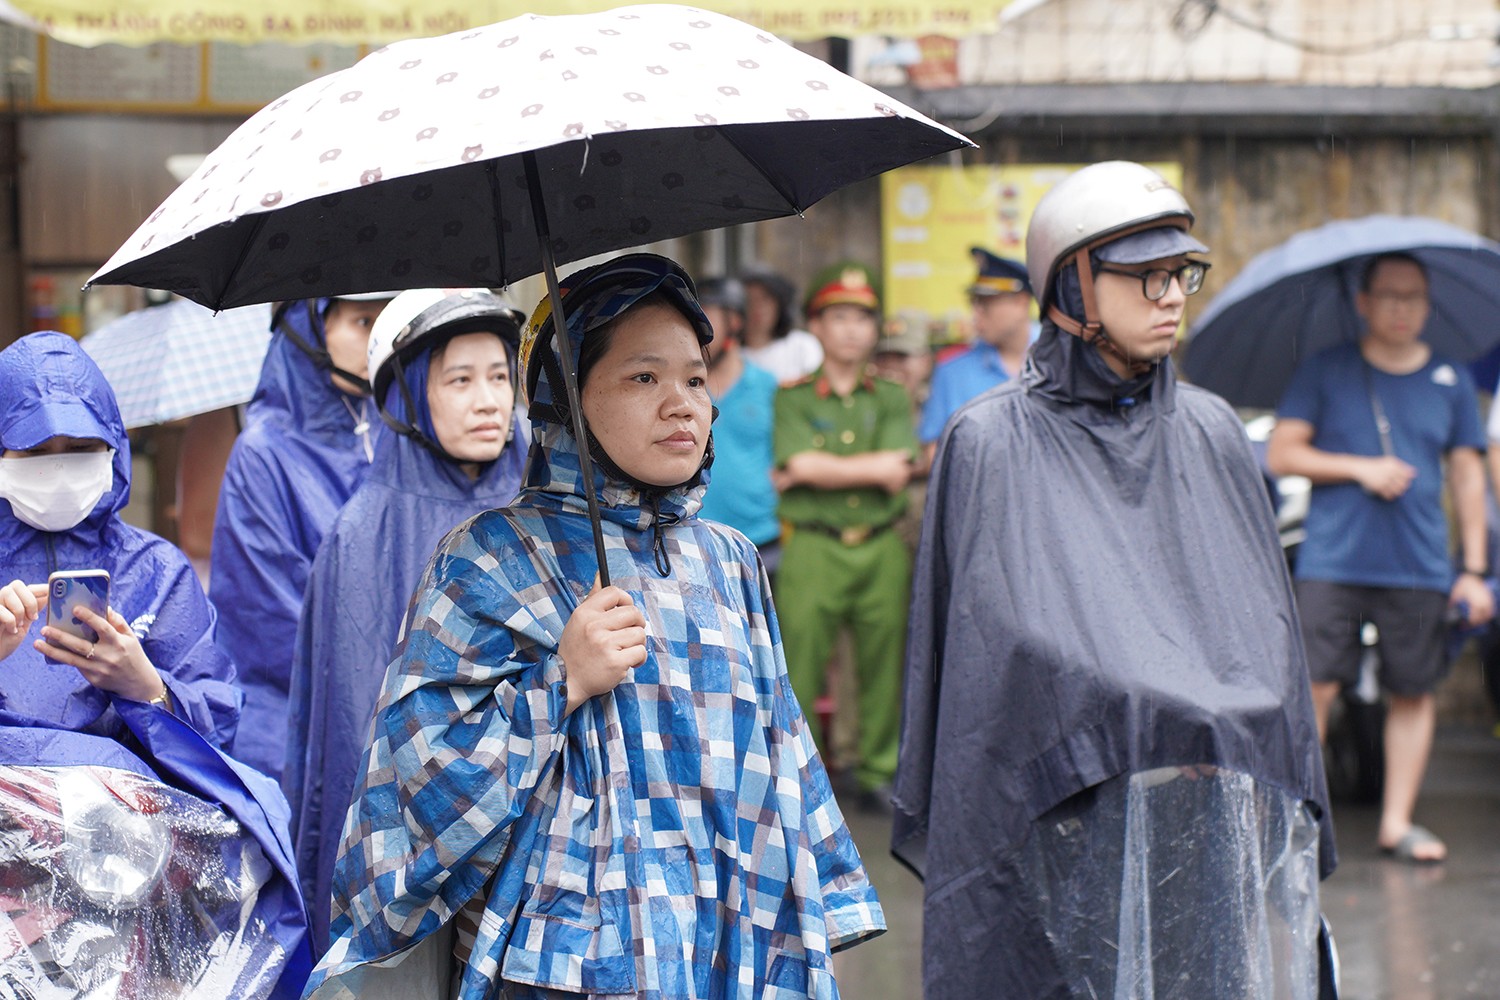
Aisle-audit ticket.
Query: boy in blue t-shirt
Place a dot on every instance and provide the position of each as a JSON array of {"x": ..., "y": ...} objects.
[
  {"x": 1371, "y": 425},
  {"x": 740, "y": 493}
]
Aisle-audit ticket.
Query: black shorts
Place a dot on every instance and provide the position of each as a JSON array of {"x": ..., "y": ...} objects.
[{"x": 1413, "y": 626}]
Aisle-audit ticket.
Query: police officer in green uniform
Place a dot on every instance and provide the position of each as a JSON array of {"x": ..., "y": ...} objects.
[{"x": 844, "y": 451}]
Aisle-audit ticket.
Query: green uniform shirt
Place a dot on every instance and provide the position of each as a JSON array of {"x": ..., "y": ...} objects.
[{"x": 810, "y": 416}]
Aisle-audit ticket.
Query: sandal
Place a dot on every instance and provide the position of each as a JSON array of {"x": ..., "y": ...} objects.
[{"x": 1405, "y": 849}]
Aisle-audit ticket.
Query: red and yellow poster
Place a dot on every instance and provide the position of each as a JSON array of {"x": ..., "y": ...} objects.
[{"x": 933, "y": 215}]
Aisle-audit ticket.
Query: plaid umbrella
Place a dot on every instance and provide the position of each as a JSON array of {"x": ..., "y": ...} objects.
[{"x": 180, "y": 359}]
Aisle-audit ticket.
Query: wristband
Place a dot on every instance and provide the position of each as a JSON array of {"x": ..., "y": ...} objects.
[{"x": 1481, "y": 573}]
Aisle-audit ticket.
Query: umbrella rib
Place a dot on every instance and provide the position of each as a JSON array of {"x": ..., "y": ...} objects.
[
  {"x": 785, "y": 195},
  {"x": 249, "y": 241},
  {"x": 492, "y": 173}
]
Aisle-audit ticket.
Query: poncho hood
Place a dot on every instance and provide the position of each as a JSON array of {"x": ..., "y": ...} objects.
[
  {"x": 294, "y": 391},
  {"x": 48, "y": 387},
  {"x": 1061, "y": 367},
  {"x": 553, "y": 469}
]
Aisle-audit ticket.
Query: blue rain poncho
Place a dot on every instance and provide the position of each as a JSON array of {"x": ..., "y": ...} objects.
[
  {"x": 361, "y": 582},
  {"x": 48, "y": 386},
  {"x": 674, "y": 838},
  {"x": 299, "y": 459},
  {"x": 52, "y": 718}
]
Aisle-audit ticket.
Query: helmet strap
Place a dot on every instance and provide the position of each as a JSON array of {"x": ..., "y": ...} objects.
[
  {"x": 319, "y": 355},
  {"x": 1091, "y": 331},
  {"x": 411, "y": 430}
]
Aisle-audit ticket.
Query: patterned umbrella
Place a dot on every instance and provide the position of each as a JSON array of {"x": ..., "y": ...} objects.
[
  {"x": 180, "y": 359},
  {"x": 482, "y": 157}
]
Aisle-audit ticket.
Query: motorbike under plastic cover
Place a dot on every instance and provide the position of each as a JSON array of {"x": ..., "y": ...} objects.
[
  {"x": 115, "y": 885},
  {"x": 1179, "y": 884}
]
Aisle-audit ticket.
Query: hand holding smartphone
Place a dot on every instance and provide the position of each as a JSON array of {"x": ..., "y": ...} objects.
[{"x": 68, "y": 590}]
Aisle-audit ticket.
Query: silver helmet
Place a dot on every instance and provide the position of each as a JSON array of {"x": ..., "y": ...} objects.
[{"x": 1099, "y": 203}]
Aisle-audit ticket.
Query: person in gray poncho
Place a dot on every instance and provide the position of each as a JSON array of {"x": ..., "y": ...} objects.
[{"x": 1110, "y": 779}]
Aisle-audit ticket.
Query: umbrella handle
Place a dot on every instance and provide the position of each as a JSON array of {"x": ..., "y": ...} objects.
[{"x": 565, "y": 358}]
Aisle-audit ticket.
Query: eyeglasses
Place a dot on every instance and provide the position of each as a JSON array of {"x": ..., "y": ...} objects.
[
  {"x": 1408, "y": 300},
  {"x": 1155, "y": 282}
]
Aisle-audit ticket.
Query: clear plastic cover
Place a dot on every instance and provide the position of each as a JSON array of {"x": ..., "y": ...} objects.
[
  {"x": 114, "y": 885},
  {"x": 1178, "y": 884}
]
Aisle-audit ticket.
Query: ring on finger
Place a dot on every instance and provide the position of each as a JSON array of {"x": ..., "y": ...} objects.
[{"x": 91, "y": 652}]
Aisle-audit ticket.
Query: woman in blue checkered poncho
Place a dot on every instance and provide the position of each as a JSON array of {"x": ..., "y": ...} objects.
[{"x": 599, "y": 791}]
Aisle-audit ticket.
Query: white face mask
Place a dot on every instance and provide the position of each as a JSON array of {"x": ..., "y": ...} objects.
[{"x": 56, "y": 492}]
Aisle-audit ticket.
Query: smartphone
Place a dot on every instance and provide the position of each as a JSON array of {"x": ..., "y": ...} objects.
[{"x": 69, "y": 589}]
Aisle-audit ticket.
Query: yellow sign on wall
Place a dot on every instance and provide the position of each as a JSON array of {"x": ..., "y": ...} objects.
[
  {"x": 931, "y": 216},
  {"x": 358, "y": 22}
]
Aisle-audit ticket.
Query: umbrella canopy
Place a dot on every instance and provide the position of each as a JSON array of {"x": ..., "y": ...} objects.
[
  {"x": 485, "y": 156},
  {"x": 180, "y": 359},
  {"x": 407, "y": 169},
  {"x": 1298, "y": 298}
]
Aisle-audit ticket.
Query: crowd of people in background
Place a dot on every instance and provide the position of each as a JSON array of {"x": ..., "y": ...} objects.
[{"x": 400, "y": 619}]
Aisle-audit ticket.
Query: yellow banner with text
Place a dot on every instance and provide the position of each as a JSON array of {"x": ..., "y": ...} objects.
[{"x": 358, "y": 22}]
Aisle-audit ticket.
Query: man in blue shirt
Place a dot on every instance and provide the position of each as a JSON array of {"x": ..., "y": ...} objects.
[
  {"x": 1001, "y": 300},
  {"x": 1371, "y": 425},
  {"x": 740, "y": 493}
]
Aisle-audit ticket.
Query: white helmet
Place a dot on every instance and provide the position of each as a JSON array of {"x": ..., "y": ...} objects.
[
  {"x": 414, "y": 316},
  {"x": 422, "y": 317},
  {"x": 1101, "y": 203},
  {"x": 1094, "y": 205}
]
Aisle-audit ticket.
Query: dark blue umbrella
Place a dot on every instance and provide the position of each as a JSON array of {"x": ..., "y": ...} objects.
[{"x": 1298, "y": 298}]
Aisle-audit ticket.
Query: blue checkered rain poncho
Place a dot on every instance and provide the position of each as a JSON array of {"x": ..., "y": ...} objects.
[{"x": 675, "y": 838}]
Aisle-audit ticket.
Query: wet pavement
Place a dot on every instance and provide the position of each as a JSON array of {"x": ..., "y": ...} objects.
[{"x": 1404, "y": 932}]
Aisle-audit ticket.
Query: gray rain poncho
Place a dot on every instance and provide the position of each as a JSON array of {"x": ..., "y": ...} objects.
[{"x": 1110, "y": 777}]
